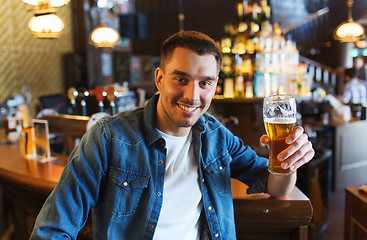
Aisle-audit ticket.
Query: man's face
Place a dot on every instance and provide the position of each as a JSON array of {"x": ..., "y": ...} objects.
[
  {"x": 358, "y": 63},
  {"x": 186, "y": 86},
  {"x": 346, "y": 78}
]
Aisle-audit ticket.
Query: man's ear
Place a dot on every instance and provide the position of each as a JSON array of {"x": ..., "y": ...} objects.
[{"x": 158, "y": 77}]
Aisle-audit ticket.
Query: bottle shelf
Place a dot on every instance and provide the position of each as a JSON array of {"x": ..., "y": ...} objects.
[{"x": 221, "y": 99}]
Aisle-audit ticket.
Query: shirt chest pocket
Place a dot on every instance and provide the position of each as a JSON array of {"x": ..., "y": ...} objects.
[
  {"x": 220, "y": 173},
  {"x": 124, "y": 191}
]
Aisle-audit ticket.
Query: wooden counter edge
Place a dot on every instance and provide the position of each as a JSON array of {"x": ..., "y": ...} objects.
[{"x": 27, "y": 182}]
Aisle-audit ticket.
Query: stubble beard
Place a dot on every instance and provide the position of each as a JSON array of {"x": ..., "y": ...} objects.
[{"x": 178, "y": 123}]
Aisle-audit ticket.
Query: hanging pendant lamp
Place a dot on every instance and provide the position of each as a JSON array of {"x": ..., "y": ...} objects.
[
  {"x": 51, "y": 3},
  {"x": 104, "y": 36},
  {"x": 349, "y": 31},
  {"x": 46, "y": 24}
]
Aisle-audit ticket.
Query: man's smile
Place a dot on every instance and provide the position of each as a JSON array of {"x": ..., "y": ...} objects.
[{"x": 187, "y": 108}]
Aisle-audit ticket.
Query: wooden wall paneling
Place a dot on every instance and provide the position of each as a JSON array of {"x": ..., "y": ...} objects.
[{"x": 208, "y": 16}]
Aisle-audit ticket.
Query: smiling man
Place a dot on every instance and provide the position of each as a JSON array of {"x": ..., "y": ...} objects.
[
  {"x": 164, "y": 171},
  {"x": 188, "y": 84}
]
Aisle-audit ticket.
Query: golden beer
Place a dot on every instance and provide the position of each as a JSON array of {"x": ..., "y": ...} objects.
[{"x": 278, "y": 130}]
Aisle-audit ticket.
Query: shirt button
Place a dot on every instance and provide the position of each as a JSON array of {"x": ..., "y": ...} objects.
[
  {"x": 159, "y": 193},
  {"x": 202, "y": 180},
  {"x": 220, "y": 168},
  {"x": 210, "y": 208},
  {"x": 150, "y": 226},
  {"x": 160, "y": 162},
  {"x": 216, "y": 235},
  {"x": 125, "y": 184}
]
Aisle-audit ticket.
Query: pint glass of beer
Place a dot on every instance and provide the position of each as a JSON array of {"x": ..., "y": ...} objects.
[{"x": 279, "y": 118}]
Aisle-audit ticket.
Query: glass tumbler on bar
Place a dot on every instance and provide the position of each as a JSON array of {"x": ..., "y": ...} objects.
[{"x": 279, "y": 113}]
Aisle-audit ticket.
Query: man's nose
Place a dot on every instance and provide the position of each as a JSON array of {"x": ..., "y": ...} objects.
[{"x": 192, "y": 92}]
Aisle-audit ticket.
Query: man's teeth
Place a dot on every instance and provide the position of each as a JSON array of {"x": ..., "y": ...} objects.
[{"x": 189, "y": 109}]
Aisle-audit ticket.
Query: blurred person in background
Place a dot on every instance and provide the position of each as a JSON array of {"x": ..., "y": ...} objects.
[
  {"x": 354, "y": 89},
  {"x": 360, "y": 69}
]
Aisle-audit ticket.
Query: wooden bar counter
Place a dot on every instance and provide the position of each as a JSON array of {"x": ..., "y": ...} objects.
[
  {"x": 355, "y": 222},
  {"x": 262, "y": 217},
  {"x": 27, "y": 183},
  {"x": 37, "y": 176}
]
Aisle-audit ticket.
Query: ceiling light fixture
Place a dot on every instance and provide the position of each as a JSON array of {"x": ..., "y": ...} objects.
[
  {"x": 361, "y": 43},
  {"x": 104, "y": 36},
  {"x": 349, "y": 31},
  {"x": 46, "y": 24},
  {"x": 51, "y": 3}
]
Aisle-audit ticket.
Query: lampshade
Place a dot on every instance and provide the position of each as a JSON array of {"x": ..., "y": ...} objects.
[
  {"x": 51, "y": 3},
  {"x": 46, "y": 24},
  {"x": 104, "y": 36},
  {"x": 349, "y": 31},
  {"x": 361, "y": 43}
]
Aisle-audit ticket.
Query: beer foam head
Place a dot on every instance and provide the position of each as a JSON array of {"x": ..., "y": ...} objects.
[{"x": 280, "y": 120}]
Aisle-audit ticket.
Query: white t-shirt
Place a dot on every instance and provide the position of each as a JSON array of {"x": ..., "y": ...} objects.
[{"x": 182, "y": 198}]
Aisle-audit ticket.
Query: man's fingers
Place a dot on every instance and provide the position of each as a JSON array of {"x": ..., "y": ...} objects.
[
  {"x": 265, "y": 139},
  {"x": 299, "y": 157},
  {"x": 298, "y": 152},
  {"x": 294, "y": 147},
  {"x": 297, "y": 132},
  {"x": 305, "y": 159}
]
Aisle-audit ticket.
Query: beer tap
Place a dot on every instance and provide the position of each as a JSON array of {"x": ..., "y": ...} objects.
[
  {"x": 100, "y": 94},
  {"x": 72, "y": 94},
  {"x": 111, "y": 96},
  {"x": 83, "y": 94}
]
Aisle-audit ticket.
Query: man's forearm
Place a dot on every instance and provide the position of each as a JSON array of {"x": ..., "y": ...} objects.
[{"x": 281, "y": 185}]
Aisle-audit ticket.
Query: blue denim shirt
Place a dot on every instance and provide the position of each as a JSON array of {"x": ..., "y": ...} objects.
[{"x": 118, "y": 169}]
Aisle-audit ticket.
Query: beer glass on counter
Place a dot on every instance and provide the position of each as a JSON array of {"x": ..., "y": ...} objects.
[{"x": 279, "y": 113}]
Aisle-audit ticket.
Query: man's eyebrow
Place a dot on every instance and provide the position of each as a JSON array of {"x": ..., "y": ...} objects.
[
  {"x": 185, "y": 74},
  {"x": 181, "y": 73}
]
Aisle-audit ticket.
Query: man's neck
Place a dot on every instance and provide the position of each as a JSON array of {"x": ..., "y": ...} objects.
[{"x": 181, "y": 132}]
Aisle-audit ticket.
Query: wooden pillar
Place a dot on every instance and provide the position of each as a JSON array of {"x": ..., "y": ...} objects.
[{"x": 85, "y": 19}]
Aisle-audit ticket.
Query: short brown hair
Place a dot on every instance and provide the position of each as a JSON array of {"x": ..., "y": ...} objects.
[
  {"x": 198, "y": 42},
  {"x": 351, "y": 72}
]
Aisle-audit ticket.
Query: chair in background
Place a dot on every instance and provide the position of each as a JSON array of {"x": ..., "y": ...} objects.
[{"x": 72, "y": 128}]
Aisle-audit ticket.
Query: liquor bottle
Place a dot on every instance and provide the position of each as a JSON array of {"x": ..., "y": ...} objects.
[
  {"x": 239, "y": 88},
  {"x": 247, "y": 71},
  {"x": 259, "y": 84},
  {"x": 27, "y": 138},
  {"x": 240, "y": 22},
  {"x": 267, "y": 84},
  {"x": 273, "y": 83},
  {"x": 228, "y": 83},
  {"x": 220, "y": 84},
  {"x": 239, "y": 85},
  {"x": 241, "y": 25},
  {"x": 249, "y": 89},
  {"x": 239, "y": 44},
  {"x": 254, "y": 16},
  {"x": 263, "y": 12},
  {"x": 226, "y": 42},
  {"x": 228, "y": 87}
]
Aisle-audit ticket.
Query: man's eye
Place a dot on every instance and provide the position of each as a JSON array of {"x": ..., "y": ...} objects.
[
  {"x": 181, "y": 80},
  {"x": 206, "y": 83}
]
